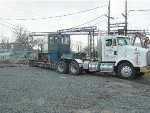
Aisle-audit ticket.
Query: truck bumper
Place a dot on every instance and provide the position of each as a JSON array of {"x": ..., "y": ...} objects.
[{"x": 145, "y": 70}]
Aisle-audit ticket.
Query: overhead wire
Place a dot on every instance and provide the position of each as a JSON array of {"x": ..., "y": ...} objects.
[
  {"x": 58, "y": 16},
  {"x": 14, "y": 26},
  {"x": 17, "y": 28},
  {"x": 89, "y": 21},
  {"x": 22, "y": 10},
  {"x": 140, "y": 10},
  {"x": 99, "y": 22},
  {"x": 8, "y": 27},
  {"x": 9, "y": 23}
]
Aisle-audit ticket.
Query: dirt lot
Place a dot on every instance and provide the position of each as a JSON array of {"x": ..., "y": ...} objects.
[{"x": 36, "y": 90}]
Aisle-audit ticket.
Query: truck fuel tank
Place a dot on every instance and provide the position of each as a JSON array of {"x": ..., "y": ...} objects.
[
  {"x": 90, "y": 65},
  {"x": 93, "y": 66},
  {"x": 98, "y": 66},
  {"x": 106, "y": 67}
]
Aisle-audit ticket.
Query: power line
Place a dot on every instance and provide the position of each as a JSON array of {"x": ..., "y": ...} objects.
[
  {"x": 14, "y": 26},
  {"x": 89, "y": 21},
  {"x": 9, "y": 23},
  {"x": 22, "y": 10},
  {"x": 17, "y": 28},
  {"x": 99, "y": 22},
  {"x": 139, "y": 10},
  {"x": 8, "y": 27},
  {"x": 50, "y": 17}
]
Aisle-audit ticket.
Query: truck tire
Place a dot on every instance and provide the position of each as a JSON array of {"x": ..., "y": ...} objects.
[
  {"x": 74, "y": 68},
  {"x": 126, "y": 71},
  {"x": 62, "y": 67}
]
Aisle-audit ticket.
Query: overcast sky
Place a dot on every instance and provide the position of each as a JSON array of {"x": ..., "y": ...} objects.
[{"x": 31, "y": 9}]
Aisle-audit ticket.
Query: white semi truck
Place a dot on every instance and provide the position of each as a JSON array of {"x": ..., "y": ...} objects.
[{"x": 116, "y": 56}]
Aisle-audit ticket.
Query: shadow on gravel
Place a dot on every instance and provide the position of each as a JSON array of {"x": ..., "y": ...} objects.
[
  {"x": 145, "y": 80},
  {"x": 46, "y": 68},
  {"x": 9, "y": 65},
  {"x": 106, "y": 75}
]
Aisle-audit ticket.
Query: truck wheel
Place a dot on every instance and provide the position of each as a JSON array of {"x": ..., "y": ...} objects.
[
  {"x": 74, "y": 68},
  {"x": 32, "y": 64},
  {"x": 62, "y": 67},
  {"x": 126, "y": 71}
]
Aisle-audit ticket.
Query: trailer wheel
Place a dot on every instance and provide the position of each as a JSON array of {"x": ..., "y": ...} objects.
[
  {"x": 31, "y": 63},
  {"x": 62, "y": 67},
  {"x": 74, "y": 68},
  {"x": 126, "y": 71}
]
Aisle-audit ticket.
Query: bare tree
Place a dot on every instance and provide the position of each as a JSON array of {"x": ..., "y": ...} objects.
[
  {"x": 78, "y": 46},
  {"x": 22, "y": 36},
  {"x": 5, "y": 42},
  {"x": 86, "y": 50},
  {"x": 39, "y": 42}
]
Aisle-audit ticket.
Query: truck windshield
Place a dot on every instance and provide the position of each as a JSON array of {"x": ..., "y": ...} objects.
[{"x": 122, "y": 41}]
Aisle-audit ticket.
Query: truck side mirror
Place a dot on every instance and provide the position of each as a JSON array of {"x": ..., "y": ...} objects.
[{"x": 113, "y": 42}]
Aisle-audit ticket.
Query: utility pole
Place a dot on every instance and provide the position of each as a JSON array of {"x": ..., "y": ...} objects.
[
  {"x": 126, "y": 23},
  {"x": 109, "y": 18}
]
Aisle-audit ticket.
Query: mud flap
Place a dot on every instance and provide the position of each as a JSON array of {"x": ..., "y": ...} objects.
[{"x": 145, "y": 70}]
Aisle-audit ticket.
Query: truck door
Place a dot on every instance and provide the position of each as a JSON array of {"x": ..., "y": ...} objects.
[{"x": 111, "y": 49}]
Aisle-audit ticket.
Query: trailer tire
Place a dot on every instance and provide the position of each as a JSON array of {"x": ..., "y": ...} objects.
[
  {"x": 31, "y": 63},
  {"x": 74, "y": 68},
  {"x": 62, "y": 67},
  {"x": 126, "y": 71}
]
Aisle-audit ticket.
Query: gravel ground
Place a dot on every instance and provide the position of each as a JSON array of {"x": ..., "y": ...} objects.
[{"x": 36, "y": 90}]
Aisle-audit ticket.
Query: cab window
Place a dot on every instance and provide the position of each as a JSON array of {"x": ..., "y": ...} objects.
[
  {"x": 108, "y": 42},
  {"x": 122, "y": 41}
]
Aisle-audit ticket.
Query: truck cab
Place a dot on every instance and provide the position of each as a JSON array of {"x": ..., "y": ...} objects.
[{"x": 118, "y": 48}]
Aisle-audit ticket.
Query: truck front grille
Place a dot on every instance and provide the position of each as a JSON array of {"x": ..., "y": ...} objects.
[{"x": 148, "y": 58}]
